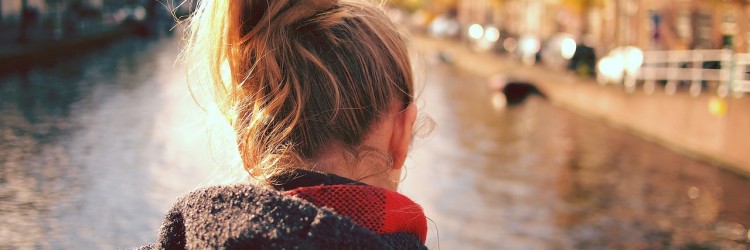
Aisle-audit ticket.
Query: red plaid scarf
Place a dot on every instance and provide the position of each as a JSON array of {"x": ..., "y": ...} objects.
[{"x": 380, "y": 210}]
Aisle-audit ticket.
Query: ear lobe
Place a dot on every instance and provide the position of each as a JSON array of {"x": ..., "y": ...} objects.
[{"x": 403, "y": 128}]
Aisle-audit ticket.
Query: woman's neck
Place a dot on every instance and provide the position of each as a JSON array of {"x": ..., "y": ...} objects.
[{"x": 368, "y": 165}]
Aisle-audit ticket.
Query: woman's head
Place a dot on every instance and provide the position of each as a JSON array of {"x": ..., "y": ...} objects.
[{"x": 306, "y": 81}]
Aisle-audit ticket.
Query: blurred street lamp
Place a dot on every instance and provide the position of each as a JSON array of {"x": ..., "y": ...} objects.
[
  {"x": 568, "y": 47},
  {"x": 476, "y": 31},
  {"x": 529, "y": 46},
  {"x": 622, "y": 62},
  {"x": 483, "y": 38},
  {"x": 444, "y": 26},
  {"x": 492, "y": 34}
]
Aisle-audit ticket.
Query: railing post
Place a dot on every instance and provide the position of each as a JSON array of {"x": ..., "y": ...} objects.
[
  {"x": 695, "y": 84},
  {"x": 740, "y": 82},
  {"x": 629, "y": 81},
  {"x": 726, "y": 73},
  {"x": 672, "y": 65},
  {"x": 649, "y": 83}
]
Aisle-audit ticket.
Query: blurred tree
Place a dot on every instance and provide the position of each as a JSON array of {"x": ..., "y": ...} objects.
[
  {"x": 499, "y": 3},
  {"x": 409, "y": 5},
  {"x": 582, "y": 6},
  {"x": 436, "y": 6},
  {"x": 715, "y": 3},
  {"x": 440, "y": 6}
]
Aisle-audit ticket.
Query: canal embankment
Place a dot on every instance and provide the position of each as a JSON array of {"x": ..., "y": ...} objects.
[
  {"x": 681, "y": 122},
  {"x": 13, "y": 54}
]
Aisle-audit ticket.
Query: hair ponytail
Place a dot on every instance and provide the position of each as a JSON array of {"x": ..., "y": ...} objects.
[{"x": 299, "y": 74}]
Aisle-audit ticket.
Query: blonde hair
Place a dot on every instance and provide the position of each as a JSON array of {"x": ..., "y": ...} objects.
[{"x": 295, "y": 76}]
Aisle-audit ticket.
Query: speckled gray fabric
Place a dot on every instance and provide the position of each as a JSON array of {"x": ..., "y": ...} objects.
[{"x": 251, "y": 217}]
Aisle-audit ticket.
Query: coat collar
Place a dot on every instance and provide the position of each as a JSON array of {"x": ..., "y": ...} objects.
[{"x": 299, "y": 178}]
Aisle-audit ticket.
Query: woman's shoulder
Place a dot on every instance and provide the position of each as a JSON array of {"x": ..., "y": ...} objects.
[{"x": 248, "y": 216}]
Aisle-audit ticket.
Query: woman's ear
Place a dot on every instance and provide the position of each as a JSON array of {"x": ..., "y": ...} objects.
[{"x": 402, "y": 134}]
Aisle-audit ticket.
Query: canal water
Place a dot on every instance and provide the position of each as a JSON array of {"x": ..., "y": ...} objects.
[
  {"x": 94, "y": 148},
  {"x": 537, "y": 176}
]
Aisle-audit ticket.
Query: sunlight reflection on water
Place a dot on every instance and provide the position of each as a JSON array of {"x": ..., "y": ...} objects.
[{"x": 94, "y": 150}]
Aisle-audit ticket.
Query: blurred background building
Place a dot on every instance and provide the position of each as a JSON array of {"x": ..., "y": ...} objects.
[
  {"x": 607, "y": 24},
  {"x": 617, "y": 41},
  {"x": 40, "y": 20}
]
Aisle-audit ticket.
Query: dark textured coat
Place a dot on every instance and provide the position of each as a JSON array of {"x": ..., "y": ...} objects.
[{"x": 251, "y": 217}]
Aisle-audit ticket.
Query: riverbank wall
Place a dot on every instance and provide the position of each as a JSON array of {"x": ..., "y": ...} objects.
[
  {"x": 681, "y": 122},
  {"x": 15, "y": 55}
]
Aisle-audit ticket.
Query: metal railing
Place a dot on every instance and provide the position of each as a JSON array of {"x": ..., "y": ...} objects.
[
  {"x": 741, "y": 81},
  {"x": 699, "y": 69}
]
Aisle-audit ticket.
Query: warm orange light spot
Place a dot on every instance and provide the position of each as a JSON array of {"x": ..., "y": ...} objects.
[{"x": 717, "y": 106}]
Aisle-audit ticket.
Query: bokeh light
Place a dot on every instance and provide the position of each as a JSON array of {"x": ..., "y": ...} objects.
[
  {"x": 492, "y": 34},
  {"x": 568, "y": 48},
  {"x": 510, "y": 44},
  {"x": 718, "y": 106},
  {"x": 693, "y": 193},
  {"x": 476, "y": 31}
]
